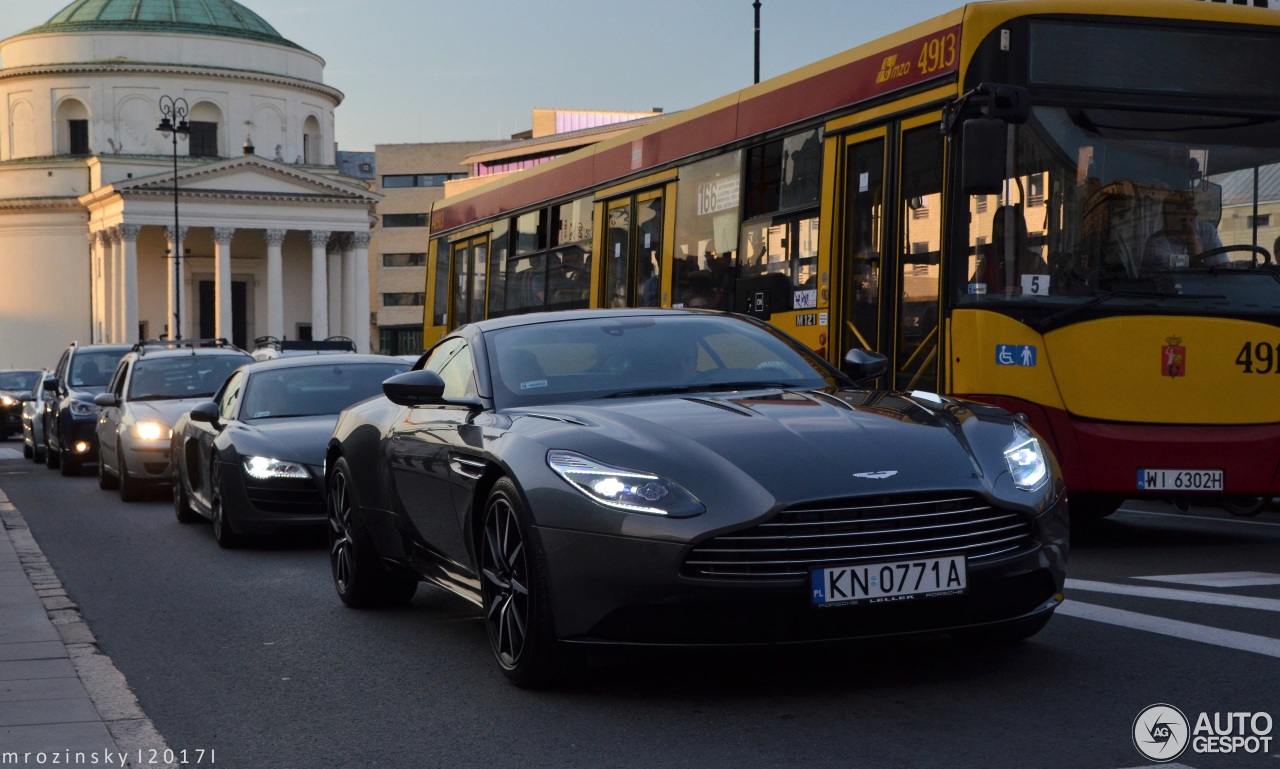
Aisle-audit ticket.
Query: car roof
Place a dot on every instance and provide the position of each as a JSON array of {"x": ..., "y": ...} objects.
[
  {"x": 101, "y": 347},
  {"x": 189, "y": 352},
  {"x": 329, "y": 359},
  {"x": 535, "y": 318}
]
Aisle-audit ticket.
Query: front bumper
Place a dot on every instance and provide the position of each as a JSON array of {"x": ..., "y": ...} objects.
[
  {"x": 259, "y": 507},
  {"x": 146, "y": 460},
  {"x": 612, "y": 589},
  {"x": 82, "y": 432}
]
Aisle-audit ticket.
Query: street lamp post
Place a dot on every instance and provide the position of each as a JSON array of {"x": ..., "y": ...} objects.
[{"x": 174, "y": 122}]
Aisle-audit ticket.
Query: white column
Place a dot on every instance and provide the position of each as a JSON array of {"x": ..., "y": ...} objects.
[
  {"x": 176, "y": 304},
  {"x": 350, "y": 320},
  {"x": 115, "y": 247},
  {"x": 222, "y": 281},
  {"x": 102, "y": 289},
  {"x": 335, "y": 286},
  {"x": 127, "y": 238},
  {"x": 319, "y": 286},
  {"x": 275, "y": 283},
  {"x": 361, "y": 289}
]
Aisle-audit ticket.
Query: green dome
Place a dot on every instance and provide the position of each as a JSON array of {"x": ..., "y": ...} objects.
[{"x": 224, "y": 18}]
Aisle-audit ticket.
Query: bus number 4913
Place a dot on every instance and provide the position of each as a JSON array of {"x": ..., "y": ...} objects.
[{"x": 1259, "y": 358}]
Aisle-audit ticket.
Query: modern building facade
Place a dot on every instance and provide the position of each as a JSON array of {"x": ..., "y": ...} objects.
[{"x": 91, "y": 208}]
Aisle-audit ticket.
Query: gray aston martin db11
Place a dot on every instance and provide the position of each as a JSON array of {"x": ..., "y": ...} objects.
[{"x": 687, "y": 478}]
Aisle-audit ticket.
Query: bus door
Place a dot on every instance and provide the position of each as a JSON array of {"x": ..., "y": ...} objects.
[
  {"x": 633, "y": 251},
  {"x": 470, "y": 260},
  {"x": 863, "y": 235},
  {"x": 918, "y": 275}
]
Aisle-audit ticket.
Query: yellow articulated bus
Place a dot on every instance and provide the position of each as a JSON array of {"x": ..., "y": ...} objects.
[{"x": 1068, "y": 208}]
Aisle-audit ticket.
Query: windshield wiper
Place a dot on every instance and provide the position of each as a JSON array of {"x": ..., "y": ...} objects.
[{"x": 701, "y": 387}]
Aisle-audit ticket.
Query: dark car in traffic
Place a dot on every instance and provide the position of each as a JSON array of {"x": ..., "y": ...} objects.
[
  {"x": 682, "y": 477},
  {"x": 70, "y": 415},
  {"x": 15, "y": 391},
  {"x": 251, "y": 460}
]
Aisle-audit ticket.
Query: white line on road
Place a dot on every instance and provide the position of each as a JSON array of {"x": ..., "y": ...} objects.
[
  {"x": 1167, "y": 593},
  {"x": 1219, "y": 579},
  {"x": 1228, "y": 639},
  {"x": 1190, "y": 517}
]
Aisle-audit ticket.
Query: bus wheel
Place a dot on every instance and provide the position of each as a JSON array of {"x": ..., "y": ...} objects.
[{"x": 1245, "y": 507}]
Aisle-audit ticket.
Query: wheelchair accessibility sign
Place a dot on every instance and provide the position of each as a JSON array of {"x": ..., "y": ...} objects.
[{"x": 1015, "y": 355}]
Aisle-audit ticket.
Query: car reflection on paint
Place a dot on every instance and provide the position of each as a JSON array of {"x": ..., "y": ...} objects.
[{"x": 686, "y": 477}]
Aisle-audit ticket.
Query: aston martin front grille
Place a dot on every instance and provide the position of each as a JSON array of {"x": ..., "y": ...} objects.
[{"x": 843, "y": 531}]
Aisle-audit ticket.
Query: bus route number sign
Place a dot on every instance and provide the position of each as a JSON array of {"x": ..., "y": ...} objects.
[{"x": 1259, "y": 358}]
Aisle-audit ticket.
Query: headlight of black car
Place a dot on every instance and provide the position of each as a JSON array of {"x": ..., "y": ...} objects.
[
  {"x": 266, "y": 468},
  {"x": 633, "y": 491},
  {"x": 7, "y": 400},
  {"x": 1026, "y": 460}
]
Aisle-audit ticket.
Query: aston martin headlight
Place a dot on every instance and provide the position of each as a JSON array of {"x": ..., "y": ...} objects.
[
  {"x": 265, "y": 468},
  {"x": 1026, "y": 460},
  {"x": 152, "y": 431},
  {"x": 633, "y": 491},
  {"x": 7, "y": 400}
]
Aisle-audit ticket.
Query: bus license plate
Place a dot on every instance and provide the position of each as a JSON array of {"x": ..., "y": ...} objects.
[
  {"x": 1179, "y": 480},
  {"x": 885, "y": 582}
]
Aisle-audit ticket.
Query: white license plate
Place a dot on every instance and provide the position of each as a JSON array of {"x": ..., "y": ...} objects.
[
  {"x": 884, "y": 582},
  {"x": 1179, "y": 480}
]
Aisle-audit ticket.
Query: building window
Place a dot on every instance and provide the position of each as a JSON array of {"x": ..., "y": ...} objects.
[
  {"x": 391, "y": 181},
  {"x": 404, "y": 299},
  {"x": 1261, "y": 220},
  {"x": 1035, "y": 190},
  {"x": 400, "y": 340},
  {"x": 79, "y": 137},
  {"x": 404, "y": 260},
  {"x": 203, "y": 139},
  {"x": 404, "y": 220},
  {"x": 366, "y": 167}
]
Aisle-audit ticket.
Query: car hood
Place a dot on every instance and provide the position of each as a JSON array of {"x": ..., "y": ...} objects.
[
  {"x": 799, "y": 445},
  {"x": 297, "y": 439},
  {"x": 166, "y": 412}
]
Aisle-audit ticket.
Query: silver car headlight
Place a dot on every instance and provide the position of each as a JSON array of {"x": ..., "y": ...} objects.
[
  {"x": 1026, "y": 460},
  {"x": 266, "y": 468},
  {"x": 148, "y": 430},
  {"x": 82, "y": 409},
  {"x": 633, "y": 491}
]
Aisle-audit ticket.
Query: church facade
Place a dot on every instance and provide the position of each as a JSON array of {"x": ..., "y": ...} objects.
[{"x": 109, "y": 232}]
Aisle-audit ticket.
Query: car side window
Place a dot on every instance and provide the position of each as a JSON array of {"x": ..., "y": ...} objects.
[
  {"x": 231, "y": 396},
  {"x": 61, "y": 370},
  {"x": 452, "y": 362},
  {"x": 117, "y": 380}
]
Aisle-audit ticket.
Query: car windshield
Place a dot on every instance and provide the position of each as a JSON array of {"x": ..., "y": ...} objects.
[
  {"x": 187, "y": 376},
  {"x": 93, "y": 368},
  {"x": 18, "y": 380},
  {"x": 637, "y": 355},
  {"x": 303, "y": 391}
]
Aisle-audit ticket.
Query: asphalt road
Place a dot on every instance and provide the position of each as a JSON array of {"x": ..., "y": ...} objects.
[{"x": 249, "y": 653}]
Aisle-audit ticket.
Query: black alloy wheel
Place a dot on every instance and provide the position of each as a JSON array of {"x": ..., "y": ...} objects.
[
  {"x": 222, "y": 532},
  {"x": 37, "y": 452},
  {"x": 131, "y": 489},
  {"x": 27, "y": 451},
  {"x": 361, "y": 580},
  {"x": 513, "y": 589},
  {"x": 52, "y": 457}
]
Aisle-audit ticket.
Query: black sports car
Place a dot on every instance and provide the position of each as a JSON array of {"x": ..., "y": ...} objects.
[
  {"x": 251, "y": 460},
  {"x": 686, "y": 477}
]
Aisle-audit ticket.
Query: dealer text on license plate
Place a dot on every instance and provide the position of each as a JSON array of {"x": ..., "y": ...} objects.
[
  {"x": 884, "y": 582},
  {"x": 1179, "y": 480}
]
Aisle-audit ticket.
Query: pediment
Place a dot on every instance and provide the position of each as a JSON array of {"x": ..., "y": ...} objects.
[{"x": 251, "y": 176}]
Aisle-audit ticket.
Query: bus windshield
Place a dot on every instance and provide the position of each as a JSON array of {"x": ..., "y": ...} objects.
[{"x": 1124, "y": 210}]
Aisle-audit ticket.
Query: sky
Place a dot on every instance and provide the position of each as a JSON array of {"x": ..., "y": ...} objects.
[{"x": 463, "y": 70}]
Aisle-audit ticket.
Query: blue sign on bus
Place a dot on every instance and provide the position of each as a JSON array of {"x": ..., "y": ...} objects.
[{"x": 1015, "y": 355}]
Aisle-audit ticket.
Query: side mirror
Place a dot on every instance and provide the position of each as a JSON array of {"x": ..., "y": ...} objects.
[
  {"x": 204, "y": 412},
  {"x": 51, "y": 385},
  {"x": 864, "y": 365},
  {"x": 106, "y": 399},
  {"x": 983, "y": 146},
  {"x": 415, "y": 388}
]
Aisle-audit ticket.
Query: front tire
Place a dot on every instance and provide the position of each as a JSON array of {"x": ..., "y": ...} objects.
[
  {"x": 52, "y": 457},
  {"x": 222, "y": 532},
  {"x": 106, "y": 480},
  {"x": 514, "y": 592},
  {"x": 181, "y": 502},
  {"x": 360, "y": 578},
  {"x": 131, "y": 489}
]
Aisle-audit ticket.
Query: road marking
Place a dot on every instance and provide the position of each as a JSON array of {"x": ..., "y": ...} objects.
[
  {"x": 1193, "y": 517},
  {"x": 10, "y": 454},
  {"x": 1190, "y": 596},
  {"x": 1220, "y": 579},
  {"x": 1228, "y": 639}
]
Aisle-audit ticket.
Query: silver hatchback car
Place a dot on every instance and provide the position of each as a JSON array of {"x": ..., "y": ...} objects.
[{"x": 153, "y": 385}]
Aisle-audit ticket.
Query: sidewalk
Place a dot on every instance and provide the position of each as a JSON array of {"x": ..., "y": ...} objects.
[{"x": 59, "y": 696}]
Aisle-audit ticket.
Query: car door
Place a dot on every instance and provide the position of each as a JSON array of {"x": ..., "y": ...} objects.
[
  {"x": 53, "y": 402},
  {"x": 420, "y": 452},
  {"x": 198, "y": 441},
  {"x": 109, "y": 418}
]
